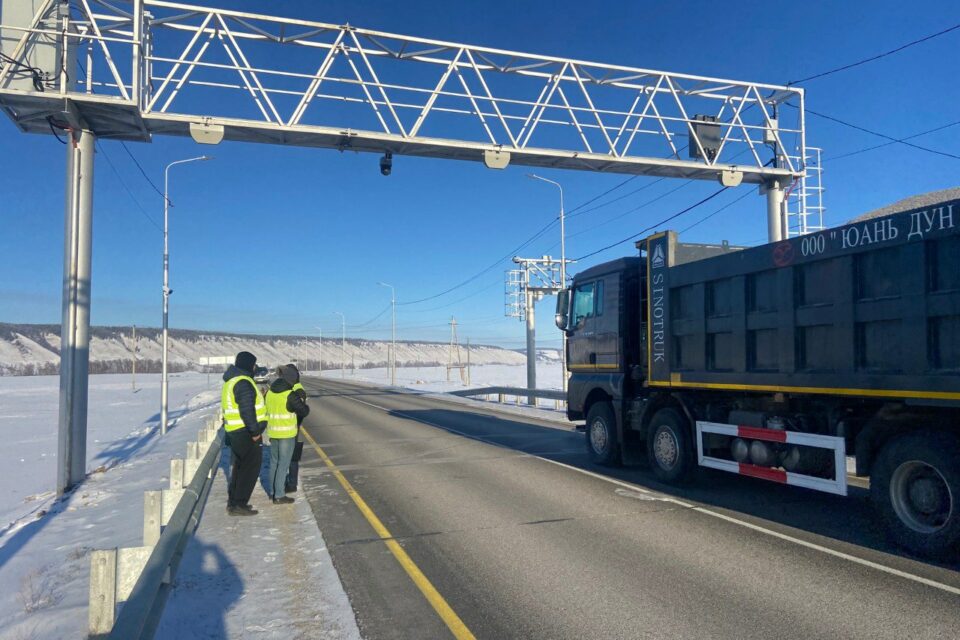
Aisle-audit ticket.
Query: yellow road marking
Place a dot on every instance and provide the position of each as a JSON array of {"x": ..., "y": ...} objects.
[{"x": 446, "y": 613}]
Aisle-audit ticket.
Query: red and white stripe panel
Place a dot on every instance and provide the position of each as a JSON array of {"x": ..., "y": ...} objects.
[{"x": 837, "y": 485}]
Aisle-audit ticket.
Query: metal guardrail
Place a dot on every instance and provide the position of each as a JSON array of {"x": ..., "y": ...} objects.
[
  {"x": 502, "y": 393},
  {"x": 151, "y": 568}
]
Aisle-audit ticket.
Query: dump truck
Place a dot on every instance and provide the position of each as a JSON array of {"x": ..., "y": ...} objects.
[{"x": 779, "y": 361}]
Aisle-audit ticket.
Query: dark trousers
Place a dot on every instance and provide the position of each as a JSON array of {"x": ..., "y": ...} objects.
[
  {"x": 293, "y": 474},
  {"x": 245, "y": 456}
]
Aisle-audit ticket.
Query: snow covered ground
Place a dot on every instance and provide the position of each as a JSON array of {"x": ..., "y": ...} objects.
[
  {"x": 435, "y": 378},
  {"x": 44, "y": 543}
]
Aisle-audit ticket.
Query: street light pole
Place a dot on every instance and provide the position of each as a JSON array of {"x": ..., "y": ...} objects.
[
  {"x": 563, "y": 269},
  {"x": 393, "y": 338},
  {"x": 320, "y": 363},
  {"x": 343, "y": 343},
  {"x": 166, "y": 284}
]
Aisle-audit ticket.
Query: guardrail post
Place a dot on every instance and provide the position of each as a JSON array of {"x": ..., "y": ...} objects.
[
  {"x": 168, "y": 502},
  {"x": 152, "y": 512},
  {"x": 130, "y": 564},
  {"x": 103, "y": 592},
  {"x": 192, "y": 450},
  {"x": 176, "y": 473},
  {"x": 501, "y": 398}
]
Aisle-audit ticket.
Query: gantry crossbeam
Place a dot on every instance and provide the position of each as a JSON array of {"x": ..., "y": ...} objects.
[{"x": 150, "y": 67}]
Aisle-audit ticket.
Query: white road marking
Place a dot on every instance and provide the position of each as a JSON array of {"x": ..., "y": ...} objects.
[{"x": 749, "y": 525}]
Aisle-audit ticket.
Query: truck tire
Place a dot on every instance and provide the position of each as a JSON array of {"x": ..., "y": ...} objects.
[
  {"x": 602, "y": 444},
  {"x": 915, "y": 486},
  {"x": 668, "y": 447}
]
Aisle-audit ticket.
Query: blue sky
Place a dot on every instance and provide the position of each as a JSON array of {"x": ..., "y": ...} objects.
[{"x": 275, "y": 239}]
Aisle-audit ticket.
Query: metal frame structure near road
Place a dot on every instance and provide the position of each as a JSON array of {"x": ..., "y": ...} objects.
[
  {"x": 132, "y": 69},
  {"x": 523, "y": 108}
]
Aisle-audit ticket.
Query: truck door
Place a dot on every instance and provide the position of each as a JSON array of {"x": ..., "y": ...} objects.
[
  {"x": 607, "y": 322},
  {"x": 583, "y": 341}
]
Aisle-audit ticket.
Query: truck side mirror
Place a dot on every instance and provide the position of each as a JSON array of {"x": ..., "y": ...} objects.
[{"x": 563, "y": 306}]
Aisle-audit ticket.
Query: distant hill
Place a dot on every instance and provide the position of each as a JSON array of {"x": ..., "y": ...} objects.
[{"x": 34, "y": 349}]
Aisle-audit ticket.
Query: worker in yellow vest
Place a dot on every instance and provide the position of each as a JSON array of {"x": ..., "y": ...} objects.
[
  {"x": 285, "y": 409},
  {"x": 293, "y": 475},
  {"x": 244, "y": 419}
]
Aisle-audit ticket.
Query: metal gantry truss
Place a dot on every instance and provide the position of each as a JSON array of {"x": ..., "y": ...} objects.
[{"x": 147, "y": 67}]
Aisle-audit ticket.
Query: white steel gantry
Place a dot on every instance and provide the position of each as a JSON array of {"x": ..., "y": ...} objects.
[
  {"x": 153, "y": 67},
  {"x": 132, "y": 69}
]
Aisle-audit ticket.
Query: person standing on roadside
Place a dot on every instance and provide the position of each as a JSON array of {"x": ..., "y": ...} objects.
[
  {"x": 294, "y": 474},
  {"x": 244, "y": 420},
  {"x": 285, "y": 409}
]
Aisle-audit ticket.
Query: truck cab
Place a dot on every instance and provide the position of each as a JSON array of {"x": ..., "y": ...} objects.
[{"x": 601, "y": 316}]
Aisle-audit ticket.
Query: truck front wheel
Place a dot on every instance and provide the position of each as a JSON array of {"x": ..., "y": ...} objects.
[
  {"x": 915, "y": 486},
  {"x": 668, "y": 446},
  {"x": 602, "y": 444}
]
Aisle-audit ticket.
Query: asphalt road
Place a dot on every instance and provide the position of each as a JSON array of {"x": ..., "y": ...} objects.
[{"x": 521, "y": 537}]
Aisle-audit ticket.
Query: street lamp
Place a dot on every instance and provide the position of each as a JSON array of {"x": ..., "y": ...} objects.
[
  {"x": 166, "y": 284},
  {"x": 393, "y": 339},
  {"x": 343, "y": 343},
  {"x": 563, "y": 270}
]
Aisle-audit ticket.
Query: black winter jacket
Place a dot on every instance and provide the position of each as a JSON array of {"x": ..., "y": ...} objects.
[
  {"x": 296, "y": 401},
  {"x": 246, "y": 398}
]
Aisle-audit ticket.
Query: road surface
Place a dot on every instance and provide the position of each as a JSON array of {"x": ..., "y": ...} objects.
[{"x": 452, "y": 520}]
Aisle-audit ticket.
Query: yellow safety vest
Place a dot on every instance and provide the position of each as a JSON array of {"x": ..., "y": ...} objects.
[
  {"x": 280, "y": 422},
  {"x": 231, "y": 412}
]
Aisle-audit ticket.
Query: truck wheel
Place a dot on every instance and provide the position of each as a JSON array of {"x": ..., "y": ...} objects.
[
  {"x": 602, "y": 444},
  {"x": 915, "y": 486},
  {"x": 668, "y": 446}
]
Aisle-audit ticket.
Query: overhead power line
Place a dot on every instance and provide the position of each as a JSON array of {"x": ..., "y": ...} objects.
[
  {"x": 876, "y": 57},
  {"x": 887, "y": 144},
  {"x": 140, "y": 167},
  {"x": 877, "y": 133},
  {"x": 512, "y": 253},
  {"x": 723, "y": 208},
  {"x": 655, "y": 225},
  {"x": 126, "y": 188}
]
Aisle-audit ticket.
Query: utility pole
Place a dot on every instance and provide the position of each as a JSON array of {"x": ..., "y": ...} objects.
[
  {"x": 166, "y": 284},
  {"x": 320, "y": 363},
  {"x": 563, "y": 271},
  {"x": 343, "y": 344},
  {"x": 468, "y": 362},
  {"x": 75, "y": 326},
  {"x": 454, "y": 351},
  {"x": 133, "y": 379},
  {"x": 393, "y": 333},
  {"x": 536, "y": 278}
]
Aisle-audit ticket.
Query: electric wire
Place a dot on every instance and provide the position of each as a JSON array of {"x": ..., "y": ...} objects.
[
  {"x": 876, "y": 57},
  {"x": 723, "y": 208},
  {"x": 887, "y": 144},
  {"x": 140, "y": 167},
  {"x": 512, "y": 253},
  {"x": 877, "y": 133},
  {"x": 655, "y": 225},
  {"x": 123, "y": 184}
]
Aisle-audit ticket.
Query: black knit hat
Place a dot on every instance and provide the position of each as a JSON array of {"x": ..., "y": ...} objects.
[
  {"x": 289, "y": 373},
  {"x": 246, "y": 361}
]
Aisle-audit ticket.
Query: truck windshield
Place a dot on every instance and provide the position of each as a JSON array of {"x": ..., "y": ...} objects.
[{"x": 583, "y": 305}]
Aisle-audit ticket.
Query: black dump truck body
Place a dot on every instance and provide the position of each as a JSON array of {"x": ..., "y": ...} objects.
[
  {"x": 777, "y": 361},
  {"x": 869, "y": 310}
]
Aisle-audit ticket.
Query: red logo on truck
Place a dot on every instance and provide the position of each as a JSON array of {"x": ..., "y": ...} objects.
[{"x": 783, "y": 253}]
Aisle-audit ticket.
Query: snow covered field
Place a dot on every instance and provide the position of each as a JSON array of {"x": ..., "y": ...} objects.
[
  {"x": 435, "y": 378},
  {"x": 44, "y": 543}
]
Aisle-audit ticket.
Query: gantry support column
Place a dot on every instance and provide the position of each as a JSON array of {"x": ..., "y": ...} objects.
[
  {"x": 776, "y": 212},
  {"x": 75, "y": 327}
]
